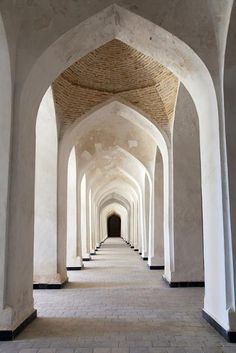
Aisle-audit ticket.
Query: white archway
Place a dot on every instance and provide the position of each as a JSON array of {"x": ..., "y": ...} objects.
[
  {"x": 79, "y": 128},
  {"x": 115, "y": 207},
  {"x": 119, "y": 199},
  {"x": 172, "y": 53}
]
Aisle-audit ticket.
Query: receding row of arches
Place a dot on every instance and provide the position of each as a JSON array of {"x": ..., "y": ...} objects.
[{"x": 165, "y": 180}]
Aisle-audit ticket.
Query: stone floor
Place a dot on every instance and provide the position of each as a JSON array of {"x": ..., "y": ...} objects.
[{"x": 117, "y": 305}]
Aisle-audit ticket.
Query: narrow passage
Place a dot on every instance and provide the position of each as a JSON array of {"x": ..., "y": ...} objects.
[{"x": 117, "y": 305}]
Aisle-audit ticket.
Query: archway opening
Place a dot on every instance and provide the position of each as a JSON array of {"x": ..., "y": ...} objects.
[
  {"x": 114, "y": 225},
  {"x": 209, "y": 211}
]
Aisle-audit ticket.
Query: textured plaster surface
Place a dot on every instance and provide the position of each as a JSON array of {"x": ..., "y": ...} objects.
[
  {"x": 188, "y": 234},
  {"x": 45, "y": 217}
]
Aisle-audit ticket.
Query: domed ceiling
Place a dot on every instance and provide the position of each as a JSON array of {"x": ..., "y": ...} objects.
[{"x": 115, "y": 69}]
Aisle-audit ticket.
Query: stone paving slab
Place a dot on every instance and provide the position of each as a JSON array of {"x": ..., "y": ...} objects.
[{"x": 117, "y": 305}]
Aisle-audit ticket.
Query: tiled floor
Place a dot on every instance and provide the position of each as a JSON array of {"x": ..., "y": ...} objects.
[{"x": 117, "y": 305}]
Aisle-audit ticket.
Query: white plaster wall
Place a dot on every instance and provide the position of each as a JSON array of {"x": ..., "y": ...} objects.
[
  {"x": 91, "y": 223},
  {"x": 147, "y": 216},
  {"x": 188, "y": 237},
  {"x": 45, "y": 223},
  {"x": 84, "y": 215},
  {"x": 229, "y": 91},
  {"x": 87, "y": 210},
  {"x": 73, "y": 259},
  {"x": 156, "y": 240},
  {"x": 5, "y": 137},
  {"x": 103, "y": 135}
]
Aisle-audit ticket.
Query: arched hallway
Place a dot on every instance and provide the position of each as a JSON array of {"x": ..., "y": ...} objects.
[
  {"x": 117, "y": 305},
  {"x": 127, "y": 109}
]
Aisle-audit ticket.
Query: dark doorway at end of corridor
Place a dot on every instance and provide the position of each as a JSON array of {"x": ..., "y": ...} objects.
[{"x": 114, "y": 226}]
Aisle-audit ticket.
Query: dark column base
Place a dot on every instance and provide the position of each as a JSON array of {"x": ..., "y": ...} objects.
[
  {"x": 183, "y": 284},
  {"x": 230, "y": 336},
  {"x": 49, "y": 285},
  {"x": 8, "y": 335},
  {"x": 155, "y": 267},
  {"x": 86, "y": 259},
  {"x": 145, "y": 258},
  {"x": 74, "y": 268},
  {"x": 135, "y": 249},
  {"x": 93, "y": 253},
  {"x": 140, "y": 253},
  {"x": 132, "y": 247}
]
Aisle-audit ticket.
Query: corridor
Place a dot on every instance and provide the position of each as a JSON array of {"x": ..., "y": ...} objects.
[{"x": 117, "y": 305}]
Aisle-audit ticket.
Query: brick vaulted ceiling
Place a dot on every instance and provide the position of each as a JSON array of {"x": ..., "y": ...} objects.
[{"x": 115, "y": 69}]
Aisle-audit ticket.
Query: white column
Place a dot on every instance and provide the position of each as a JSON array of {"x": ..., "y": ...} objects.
[
  {"x": 5, "y": 154},
  {"x": 84, "y": 208},
  {"x": 147, "y": 218},
  {"x": 73, "y": 260},
  {"x": 45, "y": 220},
  {"x": 187, "y": 209},
  {"x": 156, "y": 241}
]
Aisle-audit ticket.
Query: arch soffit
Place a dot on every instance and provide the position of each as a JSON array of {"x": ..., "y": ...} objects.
[
  {"x": 128, "y": 156},
  {"x": 130, "y": 196},
  {"x": 113, "y": 177},
  {"x": 130, "y": 185},
  {"x": 115, "y": 198},
  {"x": 123, "y": 152},
  {"x": 114, "y": 193},
  {"x": 112, "y": 209},
  {"x": 114, "y": 106}
]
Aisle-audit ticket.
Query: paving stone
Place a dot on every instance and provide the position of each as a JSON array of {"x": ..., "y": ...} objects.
[
  {"x": 214, "y": 349},
  {"x": 120, "y": 350},
  {"x": 193, "y": 350},
  {"x": 176, "y": 350},
  {"x": 117, "y": 305},
  {"x": 229, "y": 349},
  {"x": 158, "y": 350},
  {"x": 139, "y": 350}
]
